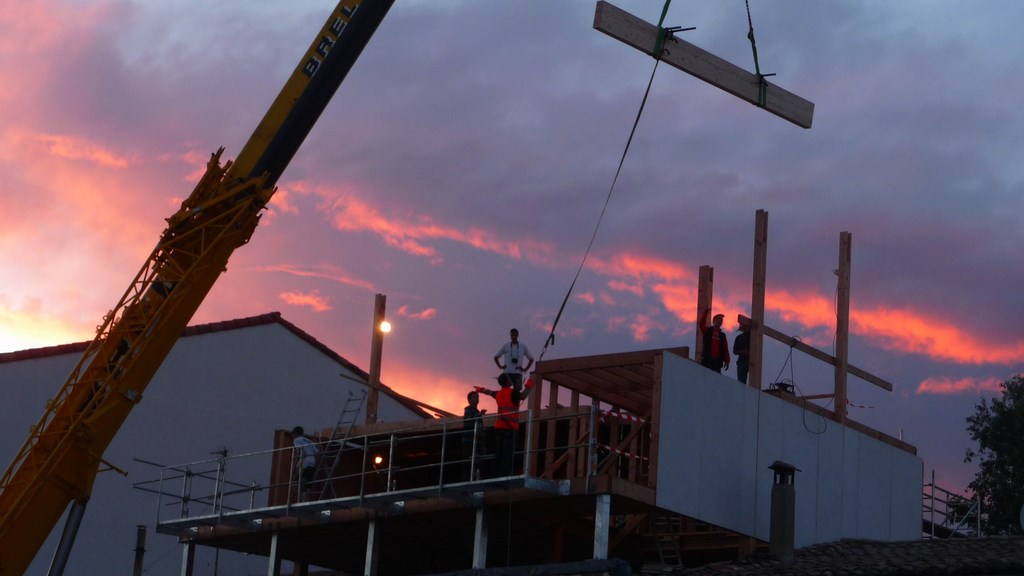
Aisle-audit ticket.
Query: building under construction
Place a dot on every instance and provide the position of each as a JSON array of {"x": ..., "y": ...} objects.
[{"x": 623, "y": 461}]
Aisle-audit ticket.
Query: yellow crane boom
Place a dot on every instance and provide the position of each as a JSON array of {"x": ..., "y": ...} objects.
[{"x": 58, "y": 463}]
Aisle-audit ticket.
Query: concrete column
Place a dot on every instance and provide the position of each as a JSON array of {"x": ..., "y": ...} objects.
[
  {"x": 602, "y": 522},
  {"x": 480, "y": 540},
  {"x": 274, "y": 558},
  {"x": 188, "y": 558},
  {"x": 371, "y": 564}
]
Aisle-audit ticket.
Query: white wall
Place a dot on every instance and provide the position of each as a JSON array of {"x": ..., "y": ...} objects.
[
  {"x": 719, "y": 436},
  {"x": 223, "y": 389}
]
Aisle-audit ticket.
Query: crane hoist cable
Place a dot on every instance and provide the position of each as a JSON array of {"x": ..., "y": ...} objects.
[{"x": 659, "y": 50}]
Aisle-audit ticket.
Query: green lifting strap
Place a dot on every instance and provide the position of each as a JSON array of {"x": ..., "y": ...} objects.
[{"x": 659, "y": 44}]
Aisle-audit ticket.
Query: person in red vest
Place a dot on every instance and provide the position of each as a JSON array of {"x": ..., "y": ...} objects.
[
  {"x": 715, "y": 352},
  {"x": 507, "y": 423}
]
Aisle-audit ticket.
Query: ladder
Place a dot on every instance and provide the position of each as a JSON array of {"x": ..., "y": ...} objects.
[
  {"x": 665, "y": 529},
  {"x": 330, "y": 457}
]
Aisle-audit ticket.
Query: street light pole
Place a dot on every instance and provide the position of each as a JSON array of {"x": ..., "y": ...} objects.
[{"x": 380, "y": 326}]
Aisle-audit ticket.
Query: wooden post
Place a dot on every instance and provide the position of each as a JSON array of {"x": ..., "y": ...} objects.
[
  {"x": 572, "y": 466},
  {"x": 705, "y": 291},
  {"x": 842, "y": 325},
  {"x": 757, "y": 299},
  {"x": 655, "y": 421},
  {"x": 533, "y": 402},
  {"x": 549, "y": 447},
  {"x": 376, "y": 348},
  {"x": 695, "y": 61}
]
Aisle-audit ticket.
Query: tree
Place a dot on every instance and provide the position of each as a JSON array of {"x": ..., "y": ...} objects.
[{"x": 998, "y": 428}]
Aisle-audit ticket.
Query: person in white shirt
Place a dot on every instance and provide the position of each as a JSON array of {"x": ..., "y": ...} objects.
[{"x": 512, "y": 354}]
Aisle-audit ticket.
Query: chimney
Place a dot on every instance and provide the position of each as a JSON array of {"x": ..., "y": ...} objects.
[{"x": 783, "y": 515}]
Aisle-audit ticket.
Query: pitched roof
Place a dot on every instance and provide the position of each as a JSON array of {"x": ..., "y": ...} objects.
[{"x": 224, "y": 326}]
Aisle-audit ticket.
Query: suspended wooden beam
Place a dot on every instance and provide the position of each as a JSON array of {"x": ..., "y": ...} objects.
[{"x": 698, "y": 62}]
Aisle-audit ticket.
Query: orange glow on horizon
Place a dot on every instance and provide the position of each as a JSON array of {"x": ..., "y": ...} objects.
[
  {"x": 445, "y": 392},
  {"x": 27, "y": 329}
]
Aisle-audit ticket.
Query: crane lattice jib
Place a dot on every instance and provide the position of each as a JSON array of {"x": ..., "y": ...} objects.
[{"x": 58, "y": 463}]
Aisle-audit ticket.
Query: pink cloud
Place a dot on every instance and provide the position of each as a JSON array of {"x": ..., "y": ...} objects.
[
  {"x": 326, "y": 273},
  {"x": 902, "y": 330},
  {"x": 282, "y": 200},
  {"x": 622, "y": 286},
  {"x": 641, "y": 327},
  {"x": 629, "y": 264},
  {"x": 679, "y": 299},
  {"x": 78, "y": 148},
  {"x": 426, "y": 314},
  {"x": 311, "y": 300},
  {"x": 414, "y": 235},
  {"x": 587, "y": 297},
  {"x": 933, "y": 337},
  {"x": 949, "y": 386}
]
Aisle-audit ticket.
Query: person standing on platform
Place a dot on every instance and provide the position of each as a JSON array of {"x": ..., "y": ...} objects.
[
  {"x": 512, "y": 354},
  {"x": 741, "y": 348},
  {"x": 473, "y": 445},
  {"x": 715, "y": 351},
  {"x": 507, "y": 423},
  {"x": 307, "y": 453}
]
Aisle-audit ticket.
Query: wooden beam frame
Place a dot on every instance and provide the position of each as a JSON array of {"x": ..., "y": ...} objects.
[{"x": 794, "y": 343}]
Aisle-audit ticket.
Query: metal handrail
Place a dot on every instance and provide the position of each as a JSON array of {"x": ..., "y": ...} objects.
[
  {"x": 937, "y": 501},
  {"x": 177, "y": 484}
]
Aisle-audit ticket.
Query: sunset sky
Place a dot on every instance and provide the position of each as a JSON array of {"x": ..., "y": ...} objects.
[{"x": 462, "y": 167}]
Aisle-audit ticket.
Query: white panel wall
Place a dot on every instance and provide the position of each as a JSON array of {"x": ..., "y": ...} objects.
[
  {"x": 718, "y": 438},
  {"x": 223, "y": 389}
]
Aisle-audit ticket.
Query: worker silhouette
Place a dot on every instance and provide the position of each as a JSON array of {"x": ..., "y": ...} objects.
[
  {"x": 715, "y": 351},
  {"x": 473, "y": 444},
  {"x": 741, "y": 348},
  {"x": 507, "y": 424}
]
